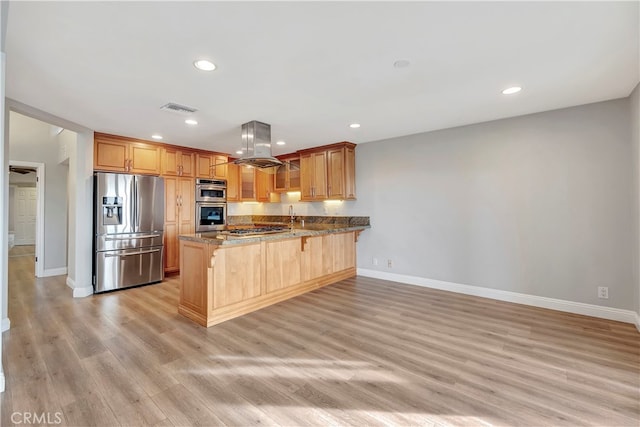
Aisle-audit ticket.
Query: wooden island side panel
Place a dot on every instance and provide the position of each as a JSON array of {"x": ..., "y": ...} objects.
[
  {"x": 283, "y": 262},
  {"x": 220, "y": 282},
  {"x": 236, "y": 274}
]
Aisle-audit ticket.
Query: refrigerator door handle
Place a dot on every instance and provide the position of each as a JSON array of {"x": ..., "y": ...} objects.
[
  {"x": 146, "y": 236},
  {"x": 135, "y": 204},
  {"x": 131, "y": 253}
]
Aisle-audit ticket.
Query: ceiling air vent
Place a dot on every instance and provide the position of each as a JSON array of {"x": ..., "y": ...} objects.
[{"x": 177, "y": 108}]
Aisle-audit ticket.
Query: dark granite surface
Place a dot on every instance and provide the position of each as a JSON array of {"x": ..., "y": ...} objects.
[{"x": 313, "y": 229}]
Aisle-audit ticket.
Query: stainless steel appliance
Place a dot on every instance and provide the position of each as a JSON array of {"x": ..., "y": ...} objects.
[
  {"x": 128, "y": 230},
  {"x": 210, "y": 216},
  {"x": 211, "y": 190}
]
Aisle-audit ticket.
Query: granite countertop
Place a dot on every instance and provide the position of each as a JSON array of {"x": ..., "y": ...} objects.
[{"x": 313, "y": 229}]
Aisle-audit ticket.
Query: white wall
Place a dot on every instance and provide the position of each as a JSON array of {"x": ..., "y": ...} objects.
[
  {"x": 33, "y": 140},
  {"x": 538, "y": 204}
]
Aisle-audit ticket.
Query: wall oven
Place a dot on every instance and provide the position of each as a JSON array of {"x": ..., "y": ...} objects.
[
  {"x": 210, "y": 216},
  {"x": 211, "y": 190}
]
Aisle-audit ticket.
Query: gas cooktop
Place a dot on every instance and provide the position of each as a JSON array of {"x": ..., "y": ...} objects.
[{"x": 254, "y": 231}]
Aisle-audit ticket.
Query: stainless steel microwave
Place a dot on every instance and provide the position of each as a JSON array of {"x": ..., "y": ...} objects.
[
  {"x": 210, "y": 216},
  {"x": 211, "y": 190}
]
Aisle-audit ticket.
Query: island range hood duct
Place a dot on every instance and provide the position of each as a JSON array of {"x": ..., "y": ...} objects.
[{"x": 256, "y": 144}]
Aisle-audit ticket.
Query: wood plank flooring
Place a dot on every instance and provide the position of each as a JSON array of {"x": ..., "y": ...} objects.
[{"x": 361, "y": 352}]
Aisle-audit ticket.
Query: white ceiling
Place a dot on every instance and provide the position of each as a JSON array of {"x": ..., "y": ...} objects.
[{"x": 312, "y": 68}]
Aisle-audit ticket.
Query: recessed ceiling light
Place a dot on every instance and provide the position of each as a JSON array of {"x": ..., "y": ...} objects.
[
  {"x": 280, "y": 143},
  {"x": 204, "y": 65},
  {"x": 156, "y": 136},
  {"x": 239, "y": 152},
  {"x": 191, "y": 122},
  {"x": 354, "y": 125},
  {"x": 402, "y": 63},
  {"x": 511, "y": 90}
]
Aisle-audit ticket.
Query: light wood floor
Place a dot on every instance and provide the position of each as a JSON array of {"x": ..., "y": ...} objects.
[{"x": 361, "y": 352}]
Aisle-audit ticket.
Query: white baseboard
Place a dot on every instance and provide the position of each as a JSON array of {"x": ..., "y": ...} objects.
[
  {"x": 1, "y": 381},
  {"x": 627, "y": 316},
  {"x": 6, "y": 324},
  {"x": 79, "y": 292},
  {"x": 61, "y": 271},
  {"x": 638, "y": 321}
]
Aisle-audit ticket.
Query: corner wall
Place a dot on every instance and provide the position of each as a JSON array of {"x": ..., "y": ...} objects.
[
  {"x": 33, "y": 140},
  {"x": 634, "y": 107}
]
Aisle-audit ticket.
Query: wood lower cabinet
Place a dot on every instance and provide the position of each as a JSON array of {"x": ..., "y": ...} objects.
[
  {"x": 114, "y": 153},
  {"x": 283, "y": 259},
  {"x": 237, "y": 275},
  {"x": 179, "y": 218},
  {"x": 220, "y": 282}
]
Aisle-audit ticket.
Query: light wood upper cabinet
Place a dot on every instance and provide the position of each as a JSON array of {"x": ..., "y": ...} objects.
[
  {"x": 264, "y": 186},
  {"x": 179, "y": 217},
  {"x": 287, "y": 176},
  {"x": 220, "y": 166},
  {"x": 249, "y": 184},
  {"x": 233, "y": 183},
  {"x": 350, "y": 172},
  {"x": 313, "y": 176},
  {"x": 119, "y": 154},
  {"x": 210, "y": 165},
  {"x": 328, "y": 172},
  {"x": 176, "y": 162},
  {"x": 336, "y": 172}
]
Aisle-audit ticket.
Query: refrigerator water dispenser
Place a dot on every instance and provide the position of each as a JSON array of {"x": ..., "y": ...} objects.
[{"x": 112, "y": 210}]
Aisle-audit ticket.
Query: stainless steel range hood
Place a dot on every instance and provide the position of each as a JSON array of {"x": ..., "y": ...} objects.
[{"x": 256, "y": 146}]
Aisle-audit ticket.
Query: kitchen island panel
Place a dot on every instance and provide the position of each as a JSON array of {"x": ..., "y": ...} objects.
[
  {"x": 237, "y": 274},
  {"x": 312, "y": 258},
  {"x": 194, "y": 258},
  {"x": 221, "y": 282},
  {"x": 283, "y": 261}
]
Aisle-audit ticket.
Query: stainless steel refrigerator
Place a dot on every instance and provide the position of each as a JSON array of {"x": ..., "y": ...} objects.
[{"x": 128, "y": 230}]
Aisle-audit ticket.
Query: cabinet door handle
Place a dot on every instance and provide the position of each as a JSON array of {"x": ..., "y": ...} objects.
[{"x": 177, "y": 200}]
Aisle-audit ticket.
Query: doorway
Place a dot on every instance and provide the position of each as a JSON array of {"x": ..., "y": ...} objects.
[{"x": 26, "y": 212}]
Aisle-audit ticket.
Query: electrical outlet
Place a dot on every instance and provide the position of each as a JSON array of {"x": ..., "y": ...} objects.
[
  {"x": 389, "y": 263},
  {"x": 603, "y": 292},
  {"x": 374, "y": 261}
]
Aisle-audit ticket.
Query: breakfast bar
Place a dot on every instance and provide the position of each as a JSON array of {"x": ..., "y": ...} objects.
[{"x": 225, "y": 275}]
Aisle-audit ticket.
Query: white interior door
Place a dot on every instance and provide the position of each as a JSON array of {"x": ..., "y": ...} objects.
[{"x": 25, "y": 215}]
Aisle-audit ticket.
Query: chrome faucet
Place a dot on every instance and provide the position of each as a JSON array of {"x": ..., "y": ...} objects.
[{"x": 291, "y": 214}]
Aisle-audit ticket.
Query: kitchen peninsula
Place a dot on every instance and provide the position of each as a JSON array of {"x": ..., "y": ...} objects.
[{"x": 225, "y": 276}]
